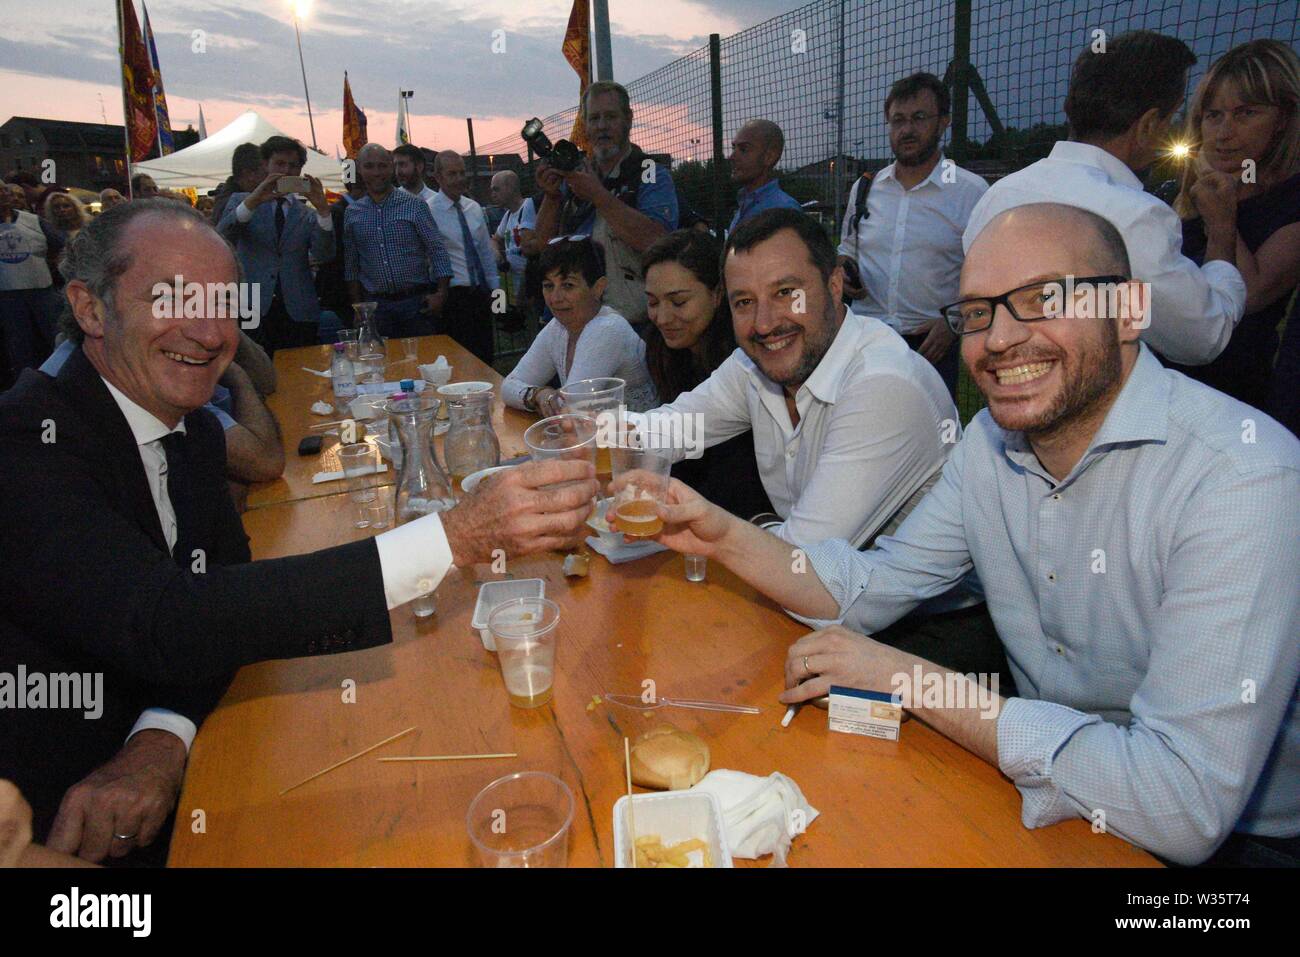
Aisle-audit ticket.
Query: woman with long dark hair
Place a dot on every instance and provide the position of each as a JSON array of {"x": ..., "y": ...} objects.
[{"x": 689, "y": 336}]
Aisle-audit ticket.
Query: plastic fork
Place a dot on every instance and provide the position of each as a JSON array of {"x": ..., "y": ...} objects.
[{"x": 638, "y": 704}]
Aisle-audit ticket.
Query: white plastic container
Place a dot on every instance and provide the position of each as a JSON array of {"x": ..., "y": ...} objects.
[
  {"x": 675, "y": 816},
  {"x": 491, "y": 594}
]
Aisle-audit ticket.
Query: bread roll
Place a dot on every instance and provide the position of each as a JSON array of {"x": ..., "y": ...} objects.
[{"x": 667, "y": 759}]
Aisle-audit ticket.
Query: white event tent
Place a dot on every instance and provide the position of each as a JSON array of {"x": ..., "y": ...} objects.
[{"x": 206, "y": 164}]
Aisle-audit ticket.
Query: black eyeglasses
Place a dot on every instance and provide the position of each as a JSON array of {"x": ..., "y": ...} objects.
[{"x": 1032, "y": 303}]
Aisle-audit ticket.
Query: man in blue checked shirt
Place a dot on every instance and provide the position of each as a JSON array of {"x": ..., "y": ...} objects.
[
  {"x": 755, "y": 151},
  {"x": 1138, "y": 540},
  {"x": 393, "y": 252}
]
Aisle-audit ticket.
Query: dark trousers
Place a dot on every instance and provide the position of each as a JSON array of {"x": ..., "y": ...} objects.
[
  {"x": 947, "y": 366},
  {"x": 963, "y": 641},
  {"x": 277, "y": 330},
  {"x": 402, "y": 318},
  {"x": 27, "y": 330},
  {"x": 467, "y": 318}
]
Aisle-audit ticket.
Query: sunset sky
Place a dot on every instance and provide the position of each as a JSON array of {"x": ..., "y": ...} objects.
[{"x": 62, "y": 63}]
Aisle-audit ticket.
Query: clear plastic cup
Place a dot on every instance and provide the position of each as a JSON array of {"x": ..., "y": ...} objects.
[
  {"x": 359, "y": 462},
  {"x": 634, "y": 511},
  {"x": 524, "y": 631},
  {"x": 695, "y": 567},
  {"x": 376, "y": 512},
  {"x": 568, "y": 436},
  {"x": 522, "y": 820},
  {"x": 411, "y": 349},
  {"x": 602, "y": 399},
  {"x": 370, "y": 368},
  {"x": 351, "y": 338}
]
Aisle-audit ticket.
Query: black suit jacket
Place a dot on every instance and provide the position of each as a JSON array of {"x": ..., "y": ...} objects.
[{"x": 87, "y": 583}]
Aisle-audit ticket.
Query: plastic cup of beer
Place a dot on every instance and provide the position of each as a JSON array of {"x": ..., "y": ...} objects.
[
  {"x": 359, "y": 462},
  {"x": 523, "y": 630},
  {"x": 635, "y": 510},
  {"x": 522, "y": 820},
  {"x": 602, "y": 399}
]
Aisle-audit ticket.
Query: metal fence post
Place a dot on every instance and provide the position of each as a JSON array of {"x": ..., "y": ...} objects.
[
  {"x": 960, "y": 85},
  {"x": 837, "y": 175},
  {"x": 715, "y": 84}
]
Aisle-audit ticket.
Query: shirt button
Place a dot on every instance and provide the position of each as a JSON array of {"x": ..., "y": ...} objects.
[
  {"x": 1051, "y": 576},
  {"x": 425, "y": 585},
  {"x": 1060, "y": 650},
  {"x": 1056, "y": 497}
]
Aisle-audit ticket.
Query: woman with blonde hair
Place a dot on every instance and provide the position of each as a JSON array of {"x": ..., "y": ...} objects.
[
  {"x": 1244, "y": 127},
  {"x": 65, "y": 213}
]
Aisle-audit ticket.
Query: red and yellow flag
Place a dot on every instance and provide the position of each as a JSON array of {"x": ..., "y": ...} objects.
[
  {"x": 577, "y": 50},
  {"x": 137, "y": 84},
  {"x": 354, "y": 122}
]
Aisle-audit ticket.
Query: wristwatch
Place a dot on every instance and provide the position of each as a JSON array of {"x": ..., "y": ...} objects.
[{"x": 530, "y": 395}]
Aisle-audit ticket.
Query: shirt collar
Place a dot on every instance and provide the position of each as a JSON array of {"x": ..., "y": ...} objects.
[
  {"x": 1139, "y": 414},
  {"x": 889, "y": 173},
  {"x": 443, "y": 199},
  {"x": 771, "y": 186},
  {"x": 145, "y": 426},
  {"x": 824, "y": 383},
  {"x": 1068, "y": 151}
]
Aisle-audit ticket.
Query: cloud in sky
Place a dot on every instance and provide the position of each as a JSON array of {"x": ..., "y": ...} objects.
[{"x": 248, "y": 59}]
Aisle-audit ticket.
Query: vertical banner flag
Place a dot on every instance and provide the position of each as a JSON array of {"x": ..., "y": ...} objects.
[
  {"x": 203, "y": 127},
  {"x": 577, "y": 50},
  {"x": 164, "y": 131},
  {"x": 137, "y": 85},
  {"x": 403, "y": 122},
  {"x": 354, "y": 122}
]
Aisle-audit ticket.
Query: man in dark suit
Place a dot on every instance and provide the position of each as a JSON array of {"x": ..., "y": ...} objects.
[
  {"x": 277, "y": 237},
  {"x": 121, "y": 555}
]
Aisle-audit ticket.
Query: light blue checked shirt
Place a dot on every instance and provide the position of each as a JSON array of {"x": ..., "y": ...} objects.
[
  {"x": 1149, "y": 605},
  {"x": 393, "y": 245}
]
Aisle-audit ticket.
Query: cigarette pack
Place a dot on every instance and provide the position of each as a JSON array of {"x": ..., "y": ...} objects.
[{"x": 872, "y": 713}]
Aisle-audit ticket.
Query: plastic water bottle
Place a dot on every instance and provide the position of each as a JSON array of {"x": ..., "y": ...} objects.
[{"x": 343, "y": 377}]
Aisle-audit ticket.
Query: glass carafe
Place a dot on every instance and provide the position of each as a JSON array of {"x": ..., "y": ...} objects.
[
  {"x": 368, "y": 339},
  {"x": 422, "y": 487},
  {"x": 470, "y": 443}
]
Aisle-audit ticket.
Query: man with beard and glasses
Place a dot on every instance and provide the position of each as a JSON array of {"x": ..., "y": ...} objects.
[
  {"x": 1128, "y": 525},
  {"x": 906, "y": 239},
  {"x": 850, "y": 426},
  {"x": 619, "y": 196}
]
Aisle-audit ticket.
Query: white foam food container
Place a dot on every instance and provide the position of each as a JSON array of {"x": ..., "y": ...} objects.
[
  {"x": 674, "y": 816},
  {"x": 491, "y": 594}
]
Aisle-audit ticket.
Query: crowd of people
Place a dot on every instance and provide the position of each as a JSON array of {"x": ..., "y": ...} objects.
[{"x": 1106, "y": 536}]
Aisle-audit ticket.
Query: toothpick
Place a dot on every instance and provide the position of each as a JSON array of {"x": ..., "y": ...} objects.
[
  {"x": 631, "y": 816},
  {"x": 451, "y": 757},
  {"x": 339, "y": 764}
]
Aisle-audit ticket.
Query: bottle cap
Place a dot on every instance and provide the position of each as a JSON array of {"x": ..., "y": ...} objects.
[{"x": 407, "y": 385}]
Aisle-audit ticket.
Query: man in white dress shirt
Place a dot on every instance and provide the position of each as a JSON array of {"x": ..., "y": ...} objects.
[
  {"x": 1120, "y": 105},
  {"x": 135, "y": 563},
  {"x": 408, "y": 170},
  {"x": 850, "y": 425},
  {"x": 906, "y": 239},
  {"x": 469, "y": 312}
]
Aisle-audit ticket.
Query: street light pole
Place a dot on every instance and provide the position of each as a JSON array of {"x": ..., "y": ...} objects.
[{"x": 305, "y": 91}]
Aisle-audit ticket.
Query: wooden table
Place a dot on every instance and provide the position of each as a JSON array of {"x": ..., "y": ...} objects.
[
  {"x": 921, "y": 801},
  {"x": 296, "y": 391}
]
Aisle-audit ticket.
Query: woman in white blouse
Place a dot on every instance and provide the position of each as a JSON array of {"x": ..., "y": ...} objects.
[{"x": 585, "y": 340}]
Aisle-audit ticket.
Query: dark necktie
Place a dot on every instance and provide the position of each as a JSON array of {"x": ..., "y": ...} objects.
[
  {"x": 181, "y": 490},
  {"x": 477, "y": 277},
  {"x": 279, "y": 220}
]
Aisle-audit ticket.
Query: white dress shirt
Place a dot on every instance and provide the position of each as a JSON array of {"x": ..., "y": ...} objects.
[
  {"x": 1193, "y": 308},
  {"x": 413, "y": 558},
  {"x": 425, "y": 194},
  {"x": 873, "y": 420},
  {"x": 908, "y": 246},
  {"x": 444, "y": 214}
]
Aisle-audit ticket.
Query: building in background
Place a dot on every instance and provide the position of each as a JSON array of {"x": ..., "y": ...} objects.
[{"x": 89, "y": 155}]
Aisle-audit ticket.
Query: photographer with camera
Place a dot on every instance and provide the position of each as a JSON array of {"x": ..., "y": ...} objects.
[{"x": 618, "y": 195}]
